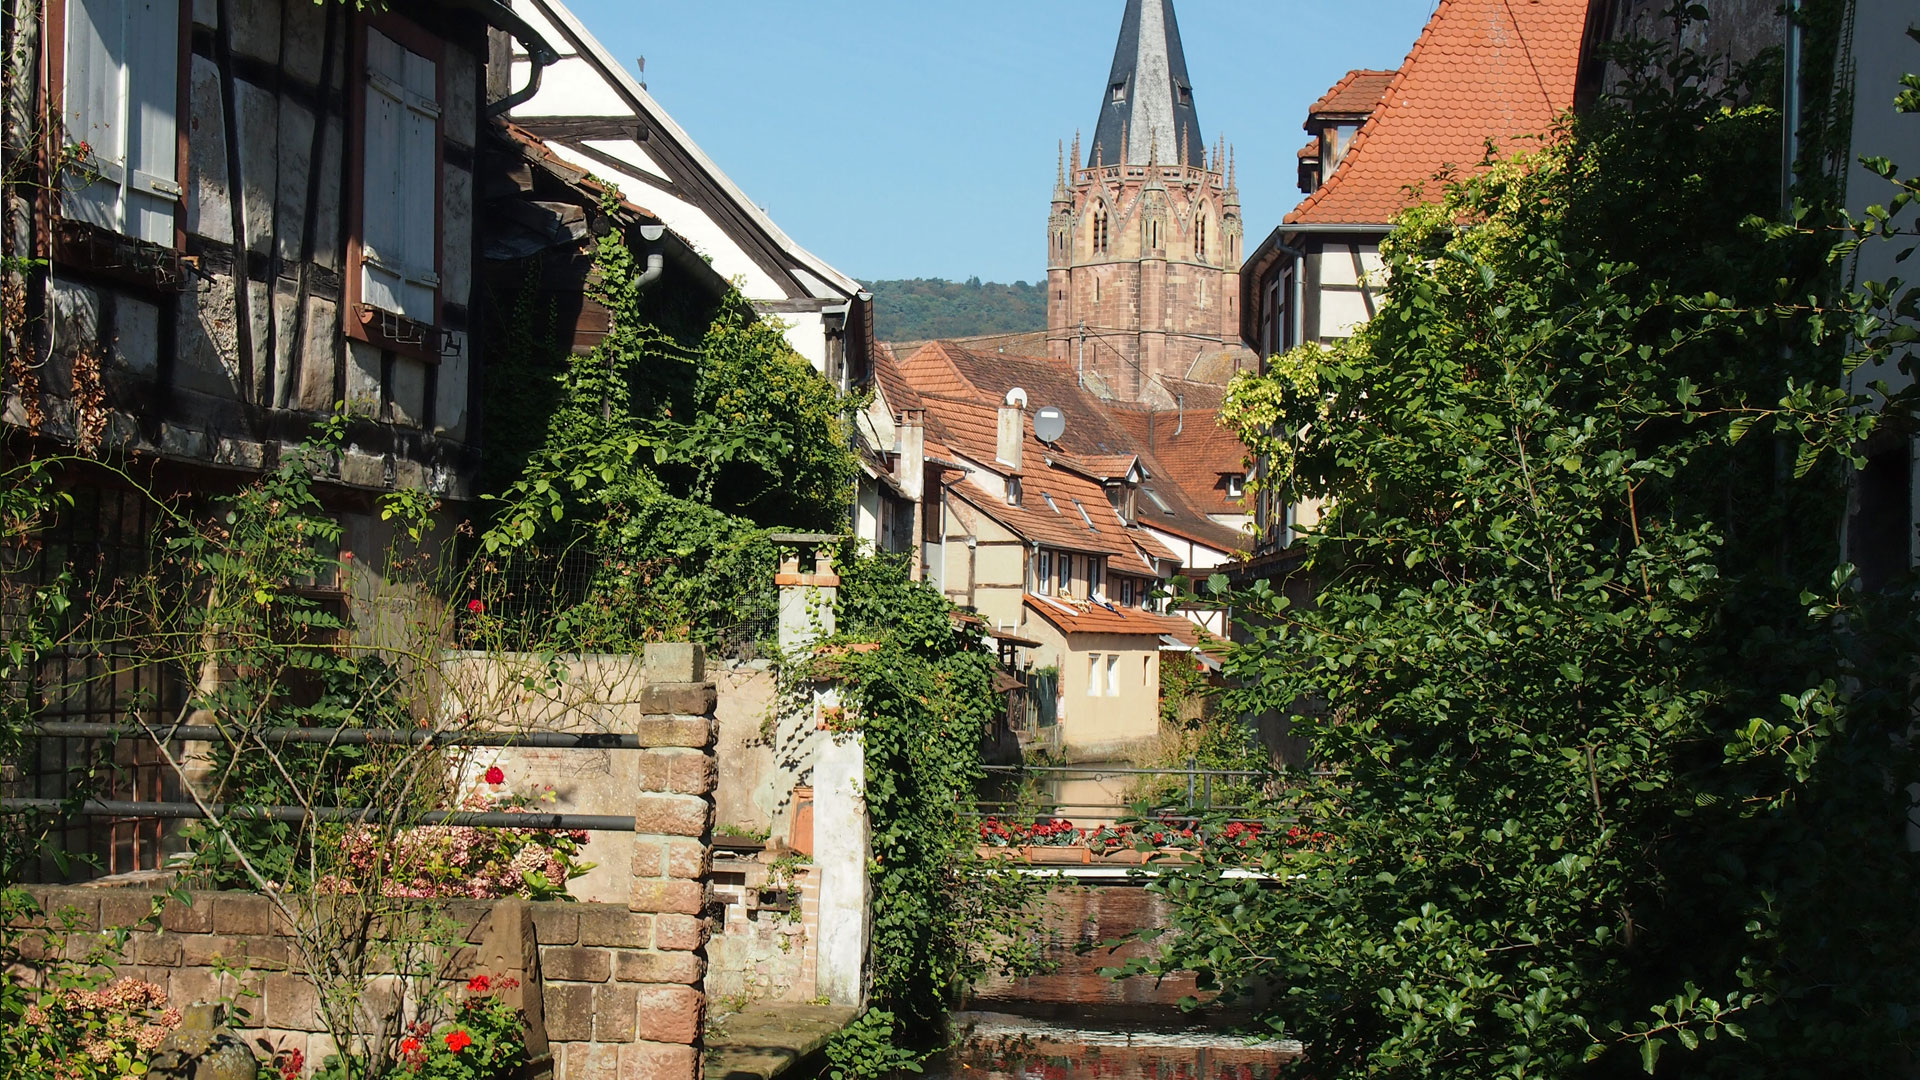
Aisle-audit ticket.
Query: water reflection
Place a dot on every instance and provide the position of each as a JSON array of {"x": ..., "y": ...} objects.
[{"x": 999, "y": 1046}]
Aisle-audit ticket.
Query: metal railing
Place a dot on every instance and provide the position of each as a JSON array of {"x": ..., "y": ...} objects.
[{"x": 172, "y": 810}]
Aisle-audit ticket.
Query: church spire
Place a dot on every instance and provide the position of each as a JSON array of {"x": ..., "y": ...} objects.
[{"x": 1148, "y": 87}]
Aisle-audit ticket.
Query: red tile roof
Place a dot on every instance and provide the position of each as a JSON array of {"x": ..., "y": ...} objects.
[
  {"x": 1482, "y": 69},
  {"x": 1195, "y": 459},
  {"x": 1085, "y": 617},
  {"x": 1358, "y": 91},
  {"x": 962, "y": 391},
  {"x": 1309, "y": 152}
]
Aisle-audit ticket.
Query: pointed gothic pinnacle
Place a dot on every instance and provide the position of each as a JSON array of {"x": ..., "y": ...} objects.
[
  {"x": 1076, "y": 149},
  {"x": 1060, "y": 167},
  {"x": 1232, "y": 184},
  {"x": 1182, "y": 150},
  {"x": 1125, "y": 127}
]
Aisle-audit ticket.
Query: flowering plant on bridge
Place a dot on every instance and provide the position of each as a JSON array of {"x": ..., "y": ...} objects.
[
  {"x": 467, "y": 861},
  {"x": 1057, "y": 832}
]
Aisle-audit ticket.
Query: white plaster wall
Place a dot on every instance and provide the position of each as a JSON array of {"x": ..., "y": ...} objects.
[
  {"x": 1882, "y": 53},
  {"x": 687, "y": 221}
]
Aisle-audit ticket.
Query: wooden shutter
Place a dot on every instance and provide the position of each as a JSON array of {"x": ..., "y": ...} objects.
[
  {"x": 401, "y": 198},
  {"x": 120, "y": 98}
]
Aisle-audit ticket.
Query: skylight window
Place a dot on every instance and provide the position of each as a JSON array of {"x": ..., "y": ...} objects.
[
  {"x": 1050, "y": 504},
  {"x": 1083, "y": 513},
  {"x": 1154, "y": 498}
]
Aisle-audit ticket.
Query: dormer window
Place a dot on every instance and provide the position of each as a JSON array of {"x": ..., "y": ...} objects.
[
  {"x": 1185, "y": 94},
  {"x": 1013, "y": 491},
  {"x": 1236, "y": 485},
  {"x": 1117, "y": 93}
]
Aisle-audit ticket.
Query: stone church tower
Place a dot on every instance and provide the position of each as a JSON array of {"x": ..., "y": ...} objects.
[{"x": 1143, "y": 244}]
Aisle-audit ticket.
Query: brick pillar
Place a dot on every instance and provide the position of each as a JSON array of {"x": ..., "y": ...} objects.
[{"x": 672, "y": 861}]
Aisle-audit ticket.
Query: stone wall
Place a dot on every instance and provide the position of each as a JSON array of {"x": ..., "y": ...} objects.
[
  {"x": 1088, "y": 915},
  {"x": 610, "y": 989}
]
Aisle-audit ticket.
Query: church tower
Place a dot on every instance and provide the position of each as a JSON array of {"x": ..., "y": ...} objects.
[{"x": 1143, "y": 242}]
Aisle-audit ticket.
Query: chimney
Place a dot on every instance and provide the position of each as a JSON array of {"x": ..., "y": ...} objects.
[
  {"x": 910, "y": 454},
  {"x": 1013, "y": 429}
]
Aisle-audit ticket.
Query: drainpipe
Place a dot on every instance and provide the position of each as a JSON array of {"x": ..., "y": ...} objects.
[
  {"x": 539, "y": 54},
  {"x": 1791, "y": 108}
]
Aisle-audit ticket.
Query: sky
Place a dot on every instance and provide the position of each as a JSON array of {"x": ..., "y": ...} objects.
[{"x": 918, "y": 138}]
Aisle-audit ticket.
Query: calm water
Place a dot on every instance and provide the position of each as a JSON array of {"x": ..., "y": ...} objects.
[{"x": 999, "y": 1046}]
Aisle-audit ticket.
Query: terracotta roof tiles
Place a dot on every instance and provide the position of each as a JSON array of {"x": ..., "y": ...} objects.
[
  {"x": 1084, "y": 617},
  {"x": 1482, "y": 69},
  {"x": 1358, "y": 91}
]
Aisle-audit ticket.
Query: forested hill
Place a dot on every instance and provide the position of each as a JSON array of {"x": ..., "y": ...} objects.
[{"x": 918, "y": 309}]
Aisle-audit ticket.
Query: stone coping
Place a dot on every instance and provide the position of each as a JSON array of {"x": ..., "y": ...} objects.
[{"x": 770, "y": 1038}]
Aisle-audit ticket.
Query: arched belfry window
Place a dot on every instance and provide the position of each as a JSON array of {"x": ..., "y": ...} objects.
[
  {"x": 1200, "y": 236},
  {"x": 1100, "y": 230}
]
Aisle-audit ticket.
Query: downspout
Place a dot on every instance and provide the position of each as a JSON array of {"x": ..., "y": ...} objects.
[{"x": 540, "y": 55}]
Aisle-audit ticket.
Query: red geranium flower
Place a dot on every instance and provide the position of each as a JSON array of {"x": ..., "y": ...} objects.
[
  {"x": 479, "y": 983},
  {"x": 458, "y": 1041},
  {"x": 495, "y": 777},
  {"x": 409, "y": 1045},
  {"x": 476, "y": 606}
]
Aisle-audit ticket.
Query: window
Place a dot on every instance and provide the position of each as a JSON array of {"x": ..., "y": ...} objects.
[
  {"x": 1066, "y": 574},
  {"x": 1100, "y": 230},
  {"x": 1043, "y": 572},
  {"x": 1095, "y": 570},
  {"x": 1048, "y": 496},
  {"x": 1117, "y": 93},
  {"x": 1236, "y": 486},
  {"x": 1200, "y": 238},
  {"x": 120, "y": 90},
  {"x": 394, "y": 276},
  {"x": 1080, "y": 506},
  {"x": 1126, "y": 592},
  {"x": 1093, "y": 675},
  {"x": 1113, "y": 675},
  {"x": 1153, "y": 233},
  {"x": 1146, "y": 671}
]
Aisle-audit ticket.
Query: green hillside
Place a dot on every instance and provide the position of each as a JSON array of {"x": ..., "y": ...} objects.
[{"x": 917, "y": 309}]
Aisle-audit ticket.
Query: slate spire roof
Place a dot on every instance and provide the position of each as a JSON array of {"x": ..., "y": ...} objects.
[{"x": 1146, "y": 108}]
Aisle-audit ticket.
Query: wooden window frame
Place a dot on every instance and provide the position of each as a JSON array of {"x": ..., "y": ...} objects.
[
  {"x": 80, "y": 245},
  {"x": 362, "y": 323}
]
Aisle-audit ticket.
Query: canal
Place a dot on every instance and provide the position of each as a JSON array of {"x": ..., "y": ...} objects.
[{"x": 1130, "y": 1046}]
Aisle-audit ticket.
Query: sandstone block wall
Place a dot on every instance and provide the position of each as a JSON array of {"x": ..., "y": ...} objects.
[{"x": 611, "y": 990}]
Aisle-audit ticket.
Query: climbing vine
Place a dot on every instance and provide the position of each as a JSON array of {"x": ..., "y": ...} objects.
[
  {"x": 919, "y": 688},
  {"x": 664, "y": 464}
]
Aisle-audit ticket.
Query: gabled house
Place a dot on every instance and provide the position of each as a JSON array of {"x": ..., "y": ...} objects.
[
  {"x": 1063, "y": 547},
  {"x": 596, "y": 115},
  {"x": 1483, "y": 72}
]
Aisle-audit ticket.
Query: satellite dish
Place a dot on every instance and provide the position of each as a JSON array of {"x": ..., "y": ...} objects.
[{"x": 1049, "y": 424}]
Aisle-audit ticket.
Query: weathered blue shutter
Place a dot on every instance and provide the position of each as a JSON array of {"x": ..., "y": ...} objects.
[
  {"x": 401, "y": 201},
  {"x": 122, "y": 69}
]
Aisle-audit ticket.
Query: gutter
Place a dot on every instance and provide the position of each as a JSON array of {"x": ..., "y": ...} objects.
[{"x": 540, "y": 55}]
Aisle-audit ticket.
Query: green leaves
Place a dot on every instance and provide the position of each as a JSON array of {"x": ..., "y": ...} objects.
[{"x": 1597, "y": 735}]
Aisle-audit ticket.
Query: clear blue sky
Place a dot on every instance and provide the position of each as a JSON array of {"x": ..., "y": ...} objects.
[{"x": 916, "y": 138}]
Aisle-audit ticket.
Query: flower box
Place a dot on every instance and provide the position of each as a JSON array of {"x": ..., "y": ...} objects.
[{"x": 1057, "y": 855}]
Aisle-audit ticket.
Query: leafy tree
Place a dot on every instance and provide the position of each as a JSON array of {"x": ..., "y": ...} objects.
[
  {"x": 1618, "y": 748},
  {"x": 921, "y": 309}
]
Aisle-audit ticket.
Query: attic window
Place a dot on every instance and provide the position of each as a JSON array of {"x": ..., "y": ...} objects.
[
  {"x": 1186, "y": 94},
  {"x": 1083, "y": 513},
  {"x": 1050, "y": 504},
  {"x": 1154, "y": 498},
  {"x": 1117, "y": 93},
  {"x": 1013, "y": 491},
  {"x": 1236, "y": 485}
]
